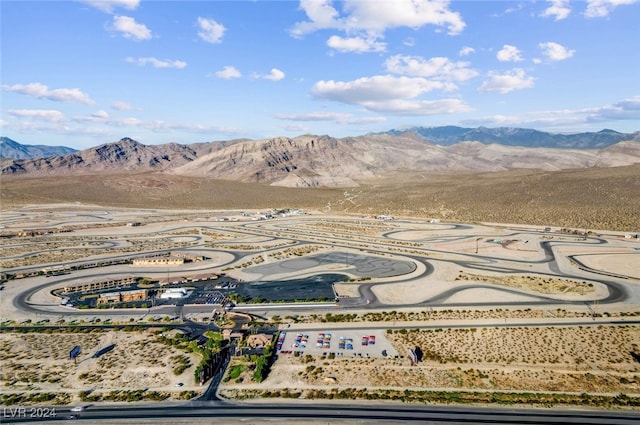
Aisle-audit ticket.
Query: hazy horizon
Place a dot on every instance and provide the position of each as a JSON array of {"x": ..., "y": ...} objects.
[{"x": 98, "y": 143}]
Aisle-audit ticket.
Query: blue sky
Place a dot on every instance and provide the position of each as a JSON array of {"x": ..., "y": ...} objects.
[{"x": 82, "y": 73}]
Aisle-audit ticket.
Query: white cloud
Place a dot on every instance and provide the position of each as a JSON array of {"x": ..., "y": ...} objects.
[
  {"x": 355, "y": 44},
  {"x": 364, "y": 22},
  {"x": 131, "y": 29},
  {"x": 388, "y": 94},
  {"x": 373, "y": 89},
  {"x": 627, "y": 109},
  {"x": 516, "y": 79},
  {"x": 602, "y": 8},
  {"x": 96, "y": 117},
  {"x": 555, "y": 52},
  {"x": 321, "y": 14},
  {"x": 210, "y": 30},
  {"x": 338, "y": 117},
  {"x": 295, "y": 128},
  {"x": 58, "y": 127},
  {"x": 509, "y": 53},
  {"x": 126, "y": 122},
  {"x": 121, "y": 106},
  {"x": 565, "y": 119},
  {"x": 518, "y": 7},
  {"x": 103, "y": 115},
  {"x": 41, "y": 91},
  {"x": 41, "y": 114},
  {"x": 466, "y": 51},
  {"x": 439, "y": 68},
  {"x": 227, "y": 73},
  {"x": 99, "y": 124},
  {"x": 420, "y": 107},
  {"x": 157, "y": 63},
  {"x": 379, "y": 16},
  {"x": 108, "y": 6},
  {"x": 274, "y": 75},
  {"x": 559, "y": 9}
]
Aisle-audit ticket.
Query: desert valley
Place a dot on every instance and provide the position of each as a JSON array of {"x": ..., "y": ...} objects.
[{"x": 470, "y": 274}]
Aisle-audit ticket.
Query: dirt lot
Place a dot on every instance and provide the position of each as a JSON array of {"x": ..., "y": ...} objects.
[
  {"x": 39, "y": 363},
  {"x": 589, "y": 359}
]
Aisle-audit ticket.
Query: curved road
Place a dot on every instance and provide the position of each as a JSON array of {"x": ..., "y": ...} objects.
[{"x": 368, "y": 299}]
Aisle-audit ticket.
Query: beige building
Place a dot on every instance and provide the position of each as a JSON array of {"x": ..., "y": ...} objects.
[
  {"x": 258, "y": 340},
  {"x": 123, "y": 296},
  {"x": 102, "y": 285},
  {"x": 158, "y": 261}
]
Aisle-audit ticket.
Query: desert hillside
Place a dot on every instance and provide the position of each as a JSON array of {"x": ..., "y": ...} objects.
[
  {"x": 322, "y": 161},
  {"x": 318, "y": 161},
  {"x": 590, "y": 198},
  {"x": 125, "y": 155}
]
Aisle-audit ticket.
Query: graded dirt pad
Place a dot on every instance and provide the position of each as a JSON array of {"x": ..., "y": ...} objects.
[
  {"x": 628, "y": 263},
  {"x": 109, "y": 360},
  {"x": 589, "y": 359}
]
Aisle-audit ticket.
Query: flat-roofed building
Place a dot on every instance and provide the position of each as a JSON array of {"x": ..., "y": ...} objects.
[
  {"x": 122, "y": 296},
  {"x": 158, "y": 261},
  {"x": 174, "y": 293},
  {"x": 101, "y": 285}
]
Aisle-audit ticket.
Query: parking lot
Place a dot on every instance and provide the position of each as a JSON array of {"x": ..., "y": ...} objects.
[
  {"x": 345, "y": 342},
  {"x": 207, "y": 297}
]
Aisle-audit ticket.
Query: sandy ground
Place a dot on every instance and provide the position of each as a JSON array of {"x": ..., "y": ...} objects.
[
  {"x": 625, "y": 263},
  {"x": 592, "y": 359},
  {"x": 39, "y": 362},
  {"x": 440, "y": 243}
]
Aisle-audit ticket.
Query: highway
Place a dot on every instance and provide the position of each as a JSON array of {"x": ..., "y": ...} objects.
[{"x": 311, "y": 411}]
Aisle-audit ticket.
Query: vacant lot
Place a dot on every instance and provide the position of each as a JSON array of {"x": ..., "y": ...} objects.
[
  {"x": 110, "y": 360},
  {"x": 589, "y": 359}
]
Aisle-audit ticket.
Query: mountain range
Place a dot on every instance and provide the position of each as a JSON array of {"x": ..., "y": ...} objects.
[
  {"x": 324, "y": 161},
  {"x": 510, "y": 136},
  {"x": 11, "y": 149}
]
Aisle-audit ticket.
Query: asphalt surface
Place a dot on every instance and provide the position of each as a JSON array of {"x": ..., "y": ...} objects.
[
  {"x": 223, "y": 412},
  {"x": 372, "y": 266},
  {"x": 215, "y": 410}
]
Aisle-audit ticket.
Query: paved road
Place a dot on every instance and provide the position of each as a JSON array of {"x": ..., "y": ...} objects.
[
  {"x": 215, "y": 412},
  {"x": 368, "y": 300}
]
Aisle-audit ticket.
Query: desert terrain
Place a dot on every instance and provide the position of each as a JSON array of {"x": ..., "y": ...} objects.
[
  {"x": 113, "y": 366},
  {"x": 554, "y": 360},
  {"x": 492, "y": 310},
  {"x": 598, "y": 198}
]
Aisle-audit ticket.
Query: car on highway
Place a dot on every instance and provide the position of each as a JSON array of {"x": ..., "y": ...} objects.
[{"x": 77, "y": 409}]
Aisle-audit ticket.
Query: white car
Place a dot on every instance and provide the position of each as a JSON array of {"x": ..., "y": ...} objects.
[
  {"x": 77, "y": 409},
  {"x": 179, "y": 384}
]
